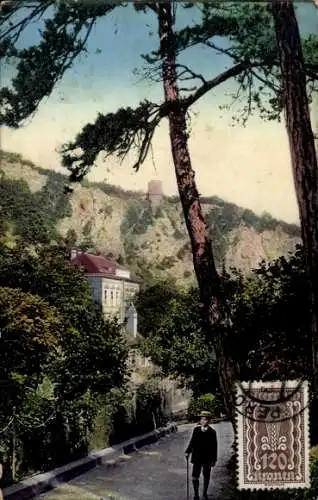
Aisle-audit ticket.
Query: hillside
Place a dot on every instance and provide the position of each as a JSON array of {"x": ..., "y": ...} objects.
[{"x": 120, "y": 224}]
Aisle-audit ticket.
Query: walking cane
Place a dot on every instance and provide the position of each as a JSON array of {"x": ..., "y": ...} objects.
[{"x": 188, "y": 492}]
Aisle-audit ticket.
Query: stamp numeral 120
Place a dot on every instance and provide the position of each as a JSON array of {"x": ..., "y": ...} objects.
[{"x": 272, "y": 435}]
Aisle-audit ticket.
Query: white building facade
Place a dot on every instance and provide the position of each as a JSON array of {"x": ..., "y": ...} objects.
[{"x": 113, "y": 287}]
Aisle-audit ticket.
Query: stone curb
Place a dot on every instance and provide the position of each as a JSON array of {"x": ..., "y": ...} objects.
[{"x": 35, "y": 485}]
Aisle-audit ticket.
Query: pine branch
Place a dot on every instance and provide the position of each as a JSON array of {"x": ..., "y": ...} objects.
[
  {"x": 192, "y": 74},
  {"x": 114, "y": 134},
  {"x": 211, "y": 84},
  {"x": 14, "y": 30},
  {"x": 40, "y": 67},
  {"x": 125, "y": 131}
]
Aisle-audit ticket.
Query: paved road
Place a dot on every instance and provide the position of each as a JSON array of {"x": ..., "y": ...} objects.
[{"x": 156, "y": 472}]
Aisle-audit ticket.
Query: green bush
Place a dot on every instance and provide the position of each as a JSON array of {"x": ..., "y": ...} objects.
[
  {"x": 114, "y": 418},
  {"x": 183, "y": 250},
  {"x": 137, "y": 219},
  {"x": 149, "y": 406},
  {"x": 167, "y": 263},
  {"x": 70, "y": 239},
  {"x": 205, "y": 402},
  {"x": 178, "y": 235},
  {"x": 87, "y": 228},
  {"x": 107, "y": 210},
  {"x": 159, "y": 213},
  {"x": 33, "y": 216},
  {"x": 128, "y": 412}
]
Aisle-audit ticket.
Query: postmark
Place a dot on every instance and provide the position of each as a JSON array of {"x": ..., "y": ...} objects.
[
  {"x": 267, "y": 404},
  {"x": 283, "y": 394},
  {"x": 272, "y": 435}
]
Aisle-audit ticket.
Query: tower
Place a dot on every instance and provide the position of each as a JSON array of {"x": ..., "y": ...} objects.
[{"x": 155, "y": 194}]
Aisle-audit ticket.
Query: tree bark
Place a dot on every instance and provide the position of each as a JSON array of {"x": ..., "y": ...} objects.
[
  {"x": 302, "y": 149},
  {"x": 314, "y": 119},
  {"x": 204, "y": 265}
]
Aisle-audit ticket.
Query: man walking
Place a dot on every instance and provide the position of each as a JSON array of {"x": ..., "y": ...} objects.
[{"x": 203, "y": 450}]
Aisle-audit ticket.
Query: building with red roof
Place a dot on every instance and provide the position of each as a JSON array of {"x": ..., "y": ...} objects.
[{"x": 113, "y": 287}]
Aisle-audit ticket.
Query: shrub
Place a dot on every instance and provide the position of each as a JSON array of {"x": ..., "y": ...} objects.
[
  {"x": 178, "y": 235},
  {"x": 107, "y": 210},
  {"x": 115, "y": 420},
  {"x": 205, "y": 402},
  {"x": 167, "y": 263},
  {"x": 87, "y": 228},
  {"x": 33, "y": 216},
  {"x": 159, "y": 213},
  {"x": 137, "y": 219},
  {"x": 183, "y": 250},
  {"x": 70, "y": 238},
  {"x": 149, "y": 405},
  {"x": 128, "y": 412}
]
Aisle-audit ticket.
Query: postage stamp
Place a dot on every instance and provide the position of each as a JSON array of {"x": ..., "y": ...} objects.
[{"x": 272, "y": 432}]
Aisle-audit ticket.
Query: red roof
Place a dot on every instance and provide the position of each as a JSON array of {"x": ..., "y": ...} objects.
[{"x": 94, "y": 264}]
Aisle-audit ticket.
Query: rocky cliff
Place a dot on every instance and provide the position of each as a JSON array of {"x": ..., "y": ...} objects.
[{"x": 122, "y": 225}]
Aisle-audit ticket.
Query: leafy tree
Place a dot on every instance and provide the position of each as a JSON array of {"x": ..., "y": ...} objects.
[
  {"x": 31, "y": 334},
  {"x": 96, "y": 351},
  {"x": 31, "y": 340},
  {"x": 137, "y": 219},
  {"x": 56, "y": 377},
  {"x": 269, "y": 308},
  {"x": 47, "y": 272},
  {"x": 32, "y": 217},
  {"x": 95, "y": 358},
  {"x": 18, "y": 208},
  {"x": 175, "y": 336},
  {"x": 70, "y": 239},
  {"x": 268, "y": 337}
]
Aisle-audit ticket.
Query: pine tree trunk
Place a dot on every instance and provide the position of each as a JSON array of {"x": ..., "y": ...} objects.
[
  {"x": 1, "y": 471},
  {"x": 14, "y": 449},
  {"x": 302, "y": 149},
  {"x": 314, "y": 119},
  {"x": 204, "y": 264}
]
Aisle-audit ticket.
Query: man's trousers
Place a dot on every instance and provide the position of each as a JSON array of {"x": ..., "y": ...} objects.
[
  {"x": 196, "y": 472},
  {"x": 198, "y": 467}
]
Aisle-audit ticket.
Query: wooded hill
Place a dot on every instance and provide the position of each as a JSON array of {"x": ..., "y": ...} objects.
[{"x": 121, "y": 224}]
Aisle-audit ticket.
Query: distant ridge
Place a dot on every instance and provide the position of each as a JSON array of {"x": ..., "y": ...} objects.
[{"x": 123, "y": 225}]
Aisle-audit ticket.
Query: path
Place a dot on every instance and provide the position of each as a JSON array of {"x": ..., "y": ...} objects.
[{"x": 156, "y": 472}]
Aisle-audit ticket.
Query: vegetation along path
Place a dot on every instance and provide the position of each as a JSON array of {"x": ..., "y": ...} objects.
[{"x": 156, "y": 472}]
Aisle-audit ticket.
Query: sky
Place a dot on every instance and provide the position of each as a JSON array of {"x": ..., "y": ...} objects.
[{"x": 249, "y": 166}]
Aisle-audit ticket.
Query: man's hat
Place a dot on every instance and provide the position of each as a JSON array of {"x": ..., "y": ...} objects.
[{"x": 205, "y": 414}]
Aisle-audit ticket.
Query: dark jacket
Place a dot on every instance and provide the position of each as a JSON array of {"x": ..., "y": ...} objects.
[{"x": 203, "y": 446}]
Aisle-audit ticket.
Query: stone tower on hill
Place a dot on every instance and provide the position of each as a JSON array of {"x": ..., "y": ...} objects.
[{"x": 155, "y": 194}]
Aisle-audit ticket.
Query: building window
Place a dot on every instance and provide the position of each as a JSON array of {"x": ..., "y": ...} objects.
[{"x": 106, "y": 296}]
